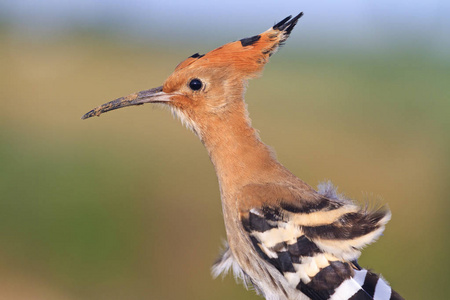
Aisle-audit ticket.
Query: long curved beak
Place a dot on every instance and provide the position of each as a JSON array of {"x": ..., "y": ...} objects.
[{"x": 155, "y": 95}]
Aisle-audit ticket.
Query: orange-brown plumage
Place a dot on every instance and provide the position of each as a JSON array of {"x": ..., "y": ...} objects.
[
  {"x": 246, "y": 61},
  {"x": 285, "y": 238}
]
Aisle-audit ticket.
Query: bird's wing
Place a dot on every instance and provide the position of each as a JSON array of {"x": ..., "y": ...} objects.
[{"x": 315, "y": 245}]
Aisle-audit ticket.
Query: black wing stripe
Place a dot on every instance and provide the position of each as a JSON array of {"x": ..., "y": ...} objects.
[
  {"x": 323, "y": 204},
  {"x": 324, "y": 283},
  {"x": 329, "y": 278},
  {"x": 349, "y": 226},
  {"x": 312, "y": 293},
  {"x": 258, "y": 223},
  {"x": 370, "y": 282},
  {"x": 304, "y": 247},
  {"x": 360, "y": 295},
  {"x": 256, "y": 245},
  {"x": 273, "y": 261},
  {"x": 272, "y": 214},
  {"x": 285, "y": 262}
]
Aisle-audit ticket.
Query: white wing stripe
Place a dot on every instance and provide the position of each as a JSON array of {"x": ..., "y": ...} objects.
[
  {"x": 382, "y": 290},
  {"x": 360, "y": 276},
  {"x": 345, "y": 290}
]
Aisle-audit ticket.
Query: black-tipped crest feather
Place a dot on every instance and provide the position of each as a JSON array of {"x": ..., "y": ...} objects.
[{"x": 287, "y": 24}]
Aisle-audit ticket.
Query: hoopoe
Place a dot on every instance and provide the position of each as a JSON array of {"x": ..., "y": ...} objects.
[{"x": 285, "y": 239}]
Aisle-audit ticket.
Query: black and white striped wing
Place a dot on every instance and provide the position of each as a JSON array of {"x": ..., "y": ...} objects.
[{"x": 315, "y": 247}]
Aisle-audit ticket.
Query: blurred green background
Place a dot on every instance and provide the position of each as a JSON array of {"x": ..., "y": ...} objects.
[{"x": 127, "y": 206}]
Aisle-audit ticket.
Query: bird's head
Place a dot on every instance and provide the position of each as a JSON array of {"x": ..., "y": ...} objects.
[{"x": 210, "y": 84}]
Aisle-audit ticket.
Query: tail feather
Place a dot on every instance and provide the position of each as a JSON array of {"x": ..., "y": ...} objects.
[{"x": 364, "y": 285}]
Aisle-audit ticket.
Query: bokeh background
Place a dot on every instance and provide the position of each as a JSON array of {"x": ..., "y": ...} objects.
[{"x": 127, "y": 206}]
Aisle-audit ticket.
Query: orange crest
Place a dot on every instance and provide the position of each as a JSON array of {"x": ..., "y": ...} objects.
[{"x": 247, "y": 56}]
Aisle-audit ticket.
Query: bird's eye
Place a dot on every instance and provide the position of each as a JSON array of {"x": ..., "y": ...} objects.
[{"x": 195, "y": 84}]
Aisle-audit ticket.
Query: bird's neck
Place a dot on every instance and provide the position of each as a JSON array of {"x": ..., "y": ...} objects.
[{"x": 236, "y": 151}]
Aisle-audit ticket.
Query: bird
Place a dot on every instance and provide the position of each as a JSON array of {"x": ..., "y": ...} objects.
[{"x": 285, "y": 239}]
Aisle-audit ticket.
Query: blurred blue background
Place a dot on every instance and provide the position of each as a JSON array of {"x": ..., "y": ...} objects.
[
  {"x": 351, "y": 25},
  {"x": 127, "y": 206}
]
